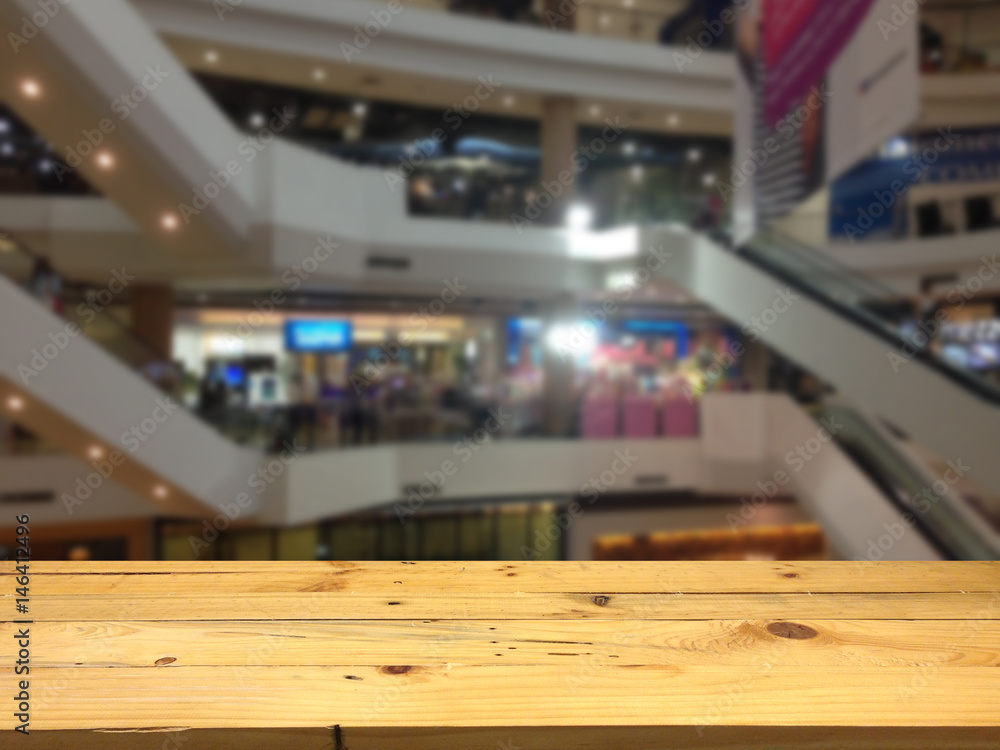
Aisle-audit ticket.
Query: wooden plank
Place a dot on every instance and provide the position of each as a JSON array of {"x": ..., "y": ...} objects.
[
  {"x": 499, "y": 695},
  {"x": 499, "y": 656},
  {"x": 540, "y": 577},
  {"x": 438, "y": 604},
  {"x": 570, "y": 643},
  {"x": 533, "y": 738}
]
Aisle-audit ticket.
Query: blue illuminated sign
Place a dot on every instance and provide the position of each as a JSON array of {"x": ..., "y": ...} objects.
[{"x": 318, "y": 335}]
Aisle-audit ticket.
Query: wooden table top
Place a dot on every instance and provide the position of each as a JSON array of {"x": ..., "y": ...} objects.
[{"x": 501, "y": 656}]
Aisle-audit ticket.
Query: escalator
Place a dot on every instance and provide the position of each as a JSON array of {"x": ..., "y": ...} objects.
[
  {"x": 848, "y": 330},
  {"x": 74, "y": 376},
  {"x": 931, "y": 500}
]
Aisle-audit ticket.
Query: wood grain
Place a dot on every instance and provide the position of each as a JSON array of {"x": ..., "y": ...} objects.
[{"x": 499, "y": 656}]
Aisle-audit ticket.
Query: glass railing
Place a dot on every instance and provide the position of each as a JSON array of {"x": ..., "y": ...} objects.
[
  {"x": 958, "y": 533},
  {"x": 92, "y": 310},
  {"x": 878, "y": 309}
]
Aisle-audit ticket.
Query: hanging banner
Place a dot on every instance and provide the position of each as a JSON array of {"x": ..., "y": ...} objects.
[{"x": 820, "y": 86}]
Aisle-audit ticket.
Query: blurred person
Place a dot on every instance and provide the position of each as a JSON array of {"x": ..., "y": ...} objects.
[
  {"x": 46, "y": 285},
  {"x": 302, "y": 412},
  {"x": 925, "y": 308}
]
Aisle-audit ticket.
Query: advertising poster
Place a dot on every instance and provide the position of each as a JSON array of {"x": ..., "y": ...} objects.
[{"x": 820, "y": 86}]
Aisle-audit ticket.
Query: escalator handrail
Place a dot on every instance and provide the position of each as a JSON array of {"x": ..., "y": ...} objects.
[{"x": 872, "y": 324}]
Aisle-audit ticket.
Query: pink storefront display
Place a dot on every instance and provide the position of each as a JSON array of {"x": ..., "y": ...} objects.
[
  {"x": 599, "y": 418},
  {"x": 680, "y": 418},
  {"x": 640, "y": 416}
]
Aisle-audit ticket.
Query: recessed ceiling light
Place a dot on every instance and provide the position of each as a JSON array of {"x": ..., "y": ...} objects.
[
  {"x": 605, "y": 19},
  {"x": 637, "y": 172},
  {"x": 45, "y": 165},
  {"x": 628, "y": 3},
  {"x": 105, "y": 160},
  {"x": 4, "y": 126},
  {"x": 169, "y": 222},
  {"x": 628, "y": 148},
  {"x": 30, "y": 89},
  {"x": 211, "y": 56},
  {"x": 15, "y": 403},
  {"x": 673, "y": 120},
  {"x": 95, "y": 452},
  {"x": 694, "y": 155},
  {"x": 256, "y": 120},
  {"x": 7, "y": 149},
  {"x": 509, "y": 101},
  {"x": 160, "y": 492},
  {"x": 595, "y": 110},
  {"x": 360, "y": 109},
  {"x": 708, "y": 179},
  {"x": 319, "y": 74}
]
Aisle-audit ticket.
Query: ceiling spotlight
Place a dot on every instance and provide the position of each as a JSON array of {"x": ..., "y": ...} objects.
[
  {"x": 628, "y": 3},
  {"x": 105, "y": 160},
  {"x": 694, "y": 155},
  {"x": 637, "y": 172},
  {"x": 30, "y": 88},
  {"x": 605, "y": 19},
  {"x": 211, "y": 56},
  {"x": 15, "y": 403},
  {"x": 256, "y": 120},
  {"x": 169, "y": 222},
  {"x": 45, "y": 165},
  {"x": 595, "y": 110},
  {"x": 7, "y": 149},
  {"x": 360, "y": 109},
  {"x": 509, "y": 101},
  {"x": 95, "y": 452},
  {"x": 160, "y": 492},
  {"x": 628, "y": 148},
  {"x": 4, "y": 126},
  {"x": 319, "y": 74},
  {"x": 708, "y": 179},
  {"x": 673, "y": 120}
]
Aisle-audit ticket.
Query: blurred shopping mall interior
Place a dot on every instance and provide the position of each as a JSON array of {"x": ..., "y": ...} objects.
[{"x": 469, "y": 280}]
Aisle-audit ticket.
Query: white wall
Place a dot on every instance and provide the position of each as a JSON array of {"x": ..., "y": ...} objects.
[{"x": 60, "y": 474}]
